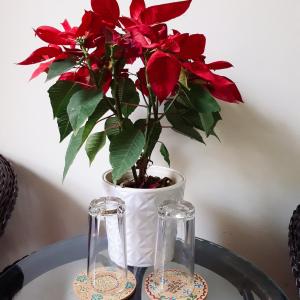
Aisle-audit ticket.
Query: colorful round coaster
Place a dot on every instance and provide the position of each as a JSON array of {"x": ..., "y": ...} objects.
[
  {"x": 176, "y": 287},
  {"x": 109, "y": 283}
]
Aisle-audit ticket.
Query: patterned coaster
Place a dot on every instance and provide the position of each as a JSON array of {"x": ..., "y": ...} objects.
[
  {"x": 176, "y": 287},
  {"x": 109, "y": 283}
]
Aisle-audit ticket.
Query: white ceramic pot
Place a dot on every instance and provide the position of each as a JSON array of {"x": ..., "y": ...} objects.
[{"x": 141, "y": 213}]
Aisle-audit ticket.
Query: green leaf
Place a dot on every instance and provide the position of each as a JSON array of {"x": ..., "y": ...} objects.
[
  {"x": 192, "y": 118},
  {"x": 209, "y": 121},
  {"x": 125, "y": 150},
  {"x": 59, "y": 67},
  {"x": 94, "y": 144},
  {"x": 154, "y": 134},
  {"x": 181, "y": 125},
  {"x": 202, "y": 100},
  {"x": 60, "y": 94},
  {"x": 112, "y": 127},
  {"x": 101, "y": 109},
  {"x": 78, "y": 140},
  {"x": 140, "y": 124},
  {"x": 165, "y": 153},
  {"x": 184, "y": 100},
  {"x": 82, "y": 104},
  {"x": 203, "y": 121},
  {"x": 125, "y": 90},
  {"x": 64, "y": 125},
  {"x": 75, "y": 144},
  {"x": 187, "y": 131}
]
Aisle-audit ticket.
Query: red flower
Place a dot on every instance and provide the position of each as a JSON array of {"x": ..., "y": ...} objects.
[
  {"x": 107, "y": 10},
  {"x": 157, "y": 13},
  {"x": 191, "y": 46},
  {"x": 220, "y": 87},
  {"x": 219, "y": 65},
  {"x": 43, "y": 67},
  {"x": 225, "y": 89},
  {"x": 91, "y": 29},
  {"x": 163, "y": 71},
  {"x": 136, "y": 8},
  {"x": 54, "y": 36},
  {"x": 145, "y": 35},
  {"x": 42, "y": 54},
  {"x": 164, "y": 12},
  {"x": 145, "y": 23},
  {"x": 131, "y": 50},
  {"x": 141, "y": 82},
  {"x": 200, "y": 70},
  {"x": 80, "y": 76}
]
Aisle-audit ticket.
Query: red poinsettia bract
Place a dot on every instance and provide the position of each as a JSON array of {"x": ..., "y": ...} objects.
[{"x": 143, "y": 35}]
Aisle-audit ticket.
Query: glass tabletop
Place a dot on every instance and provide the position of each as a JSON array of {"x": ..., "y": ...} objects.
[{"x": 49, "y": 273}]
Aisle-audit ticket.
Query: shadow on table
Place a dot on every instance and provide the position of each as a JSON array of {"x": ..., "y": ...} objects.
[
  {"x": 43, "y": 215},
  {"x": 260, "y": 243}
]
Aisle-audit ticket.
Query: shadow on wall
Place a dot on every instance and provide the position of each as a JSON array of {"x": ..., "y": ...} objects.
[
  {"x": 252, "y": 144},
  {"x": 260, "y": 243},
  {"x": 43, "y": 214},
  {"x": 264, "y": 156},
  {"x": 256, "y": 140}
]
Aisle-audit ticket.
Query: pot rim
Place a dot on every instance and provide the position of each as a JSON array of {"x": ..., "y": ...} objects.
[{"x": 135, "y": 190}]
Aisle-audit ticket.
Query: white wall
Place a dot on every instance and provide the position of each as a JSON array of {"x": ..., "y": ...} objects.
[{"x": 244, "y": 188}]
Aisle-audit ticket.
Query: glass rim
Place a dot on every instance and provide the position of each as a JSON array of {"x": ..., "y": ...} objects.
[
  {"x": 171, "y": 209},
  {"x": 106, "y": 206}
]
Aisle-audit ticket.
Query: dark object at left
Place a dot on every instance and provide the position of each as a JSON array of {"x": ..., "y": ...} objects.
[
  {"x": 11, "y": 281},
  {"x": 294, "y": 246},
  {"x": 8, "y": 191}
]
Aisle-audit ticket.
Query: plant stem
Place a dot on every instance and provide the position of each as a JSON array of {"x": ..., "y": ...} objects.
[
  {"x": 152, "y": 106},
  {"x": 87, "y": 59},
  {"x": 152, "y": 98},
  {"x": 111, "y": 106},
  {"x": 105, "y": 118},
  {"x": 120, "y": 116},
  {"x": 144, "y": 97},
  {"x": 135, "y": 105},
  {"x": 135, "y": 177},
  {"x": 92, "y": 73},
  {"x": 168, "y": 108},
  {"x": 112, "y": 127}
]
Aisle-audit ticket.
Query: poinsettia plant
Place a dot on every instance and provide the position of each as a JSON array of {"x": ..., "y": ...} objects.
[{"x": 95, "y": 83}]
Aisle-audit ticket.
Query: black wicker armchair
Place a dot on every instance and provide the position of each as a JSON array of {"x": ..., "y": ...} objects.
[
  {"x": 8, "y": 192},
  {"x": 294, "y": 245}
]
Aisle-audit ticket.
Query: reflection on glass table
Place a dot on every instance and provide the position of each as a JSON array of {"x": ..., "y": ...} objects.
[{"x": 49, "y": 274}]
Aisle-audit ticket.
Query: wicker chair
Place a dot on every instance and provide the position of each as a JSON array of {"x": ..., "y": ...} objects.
[
  {"x": 294, "y": 245},
  {"x": 8, "y": 192}
]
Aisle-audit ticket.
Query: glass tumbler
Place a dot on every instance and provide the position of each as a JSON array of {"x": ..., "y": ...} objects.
[
  {"x": 175, "y": 248},
  {"x": 107, "y": 264}
]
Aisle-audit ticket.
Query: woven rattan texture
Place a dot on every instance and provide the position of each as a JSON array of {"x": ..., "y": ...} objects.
[
  {"x": 294, "y": 245},
  {"x": 8, "y": 192}
]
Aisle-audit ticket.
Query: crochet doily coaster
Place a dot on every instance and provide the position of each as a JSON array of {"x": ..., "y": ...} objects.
[
  {"x": 176, "y": 287},
  {"x": 110, "y": 285}
]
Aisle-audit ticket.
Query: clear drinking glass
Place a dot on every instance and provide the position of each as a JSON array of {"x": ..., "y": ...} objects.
[
  {"x": 175, "y": 248},
  {"x": 107, "y": 264}
]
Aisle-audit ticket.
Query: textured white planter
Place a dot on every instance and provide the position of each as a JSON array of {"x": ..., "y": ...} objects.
[{"x": 141, "y": 213}]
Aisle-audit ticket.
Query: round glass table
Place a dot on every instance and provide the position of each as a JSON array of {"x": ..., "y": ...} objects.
[{"x": 49, "y": 274}]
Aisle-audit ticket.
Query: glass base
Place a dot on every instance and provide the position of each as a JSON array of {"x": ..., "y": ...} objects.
[
  {"x": 109, "y": 285},
  {"x": 176, "y": 285}
]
